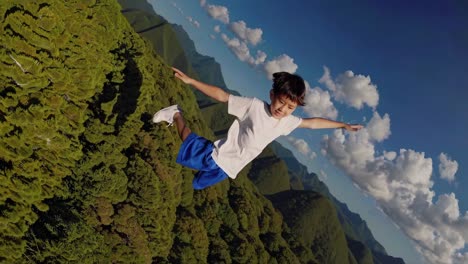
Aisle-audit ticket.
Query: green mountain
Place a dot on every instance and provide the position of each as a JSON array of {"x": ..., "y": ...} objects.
[
  {"x": 157, "y": 30},
  {"x": 356, "y": 229},
  {"x": 268, "y": 172},
  {"x": 85, "y": 177},
  {"x": 352, "y": 223},
  {"x": 311, "y": 216}
]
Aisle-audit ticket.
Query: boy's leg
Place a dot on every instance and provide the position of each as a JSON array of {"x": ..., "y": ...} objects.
[
  {"x": 172, "y": 114},
  {"x": 182, "y": 128}
]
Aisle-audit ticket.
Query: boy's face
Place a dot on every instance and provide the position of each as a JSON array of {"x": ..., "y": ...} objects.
[{"x": 281, "y": 106}]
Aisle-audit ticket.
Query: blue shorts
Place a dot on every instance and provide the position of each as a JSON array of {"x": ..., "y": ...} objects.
[{"x": 195, "y": 152}]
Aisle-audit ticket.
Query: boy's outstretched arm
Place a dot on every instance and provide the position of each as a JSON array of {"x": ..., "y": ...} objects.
[
  {"x": 318, "y": 122},
  {"x": 210, "y": 90}
]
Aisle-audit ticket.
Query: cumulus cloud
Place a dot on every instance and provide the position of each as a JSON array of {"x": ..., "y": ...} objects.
[
  {"x": 242, "y": 52},
  {"x": 299, "y": 144},
  {"x": 390, "y": 155},
  {"x": 447, "y": 167},
  {"x": 280, "y": 63},
  {"x": 318, "y": 103},
  {"x": 240, "y": 49},
  {"x": 249, "y": 35},
  {"x": 302, "y": 146},
  {"x": 379, "y": 127},
  {"x": 402, "y": 186},
  {"x": 220, "y": 13},
  {"x": 212, "y": 36},
  {"x": 260, "y": 57},
  {"x": 354, "y": 90}
]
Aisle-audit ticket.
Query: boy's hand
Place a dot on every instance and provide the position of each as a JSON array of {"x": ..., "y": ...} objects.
[
  {"x": 180, "y": 75},
  {"x": 353, "y": 127}
]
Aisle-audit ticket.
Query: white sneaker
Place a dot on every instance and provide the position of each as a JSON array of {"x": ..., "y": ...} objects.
[{"x": 166, "y": 114}]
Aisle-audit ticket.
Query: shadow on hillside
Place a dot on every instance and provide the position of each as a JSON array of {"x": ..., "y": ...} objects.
[
  {"x": 54, "y": 223},
  {"x": 139, "y": 31},
  {"x": 129, "y": 92}
]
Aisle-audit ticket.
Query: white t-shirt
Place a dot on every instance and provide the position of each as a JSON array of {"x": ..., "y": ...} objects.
[{"x": 252, "y": 130}]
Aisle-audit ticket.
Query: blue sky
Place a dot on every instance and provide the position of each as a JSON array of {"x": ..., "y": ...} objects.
[{"x": 397, "y": 68}]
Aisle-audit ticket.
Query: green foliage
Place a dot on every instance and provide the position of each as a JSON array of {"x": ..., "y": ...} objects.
[
  {"x": 191, "y": 242},
  {"x": 269, "y": 173},
  {"x": 311, "y": 216},
  {"x": 48, "y": 75},
  {"x": 359, "y": 251}
]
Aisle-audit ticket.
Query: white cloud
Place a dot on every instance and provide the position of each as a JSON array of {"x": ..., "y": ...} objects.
[
  {"x": 252, "y": 36},
  {"x": 354, "y": 90},
  {"x": 242, "y": 52},
  {"x": 461, "y": 258},
  {"x": 378, "y": 127},
  {"x": 402, "y": 186},
  {"x": 259, "y": 58},
  {"x": 245, "y": 35},
  {"x": 280, "y": 63},
  {"x": 193, "y": 21},
  {"x": 240, "y": 49},
  {"x": 212, "y": 36},
  {"x": 202, "y": 2},
  {"x": 318, "y": 103},
  {"x": 299, "y": 144},
  {"x": 327, "y": 79},
  {"x": 220, "y": 13},
  {"x": 391, "y": 155},
  {"x": 447, "y": 167}
]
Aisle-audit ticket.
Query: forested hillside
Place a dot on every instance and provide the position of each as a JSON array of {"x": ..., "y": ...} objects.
[
  {"x": 360, "y": 238},
  {"x": 85, "y": 176}
]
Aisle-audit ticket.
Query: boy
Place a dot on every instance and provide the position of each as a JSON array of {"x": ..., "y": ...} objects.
[{"x": 257, "y": 124}]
